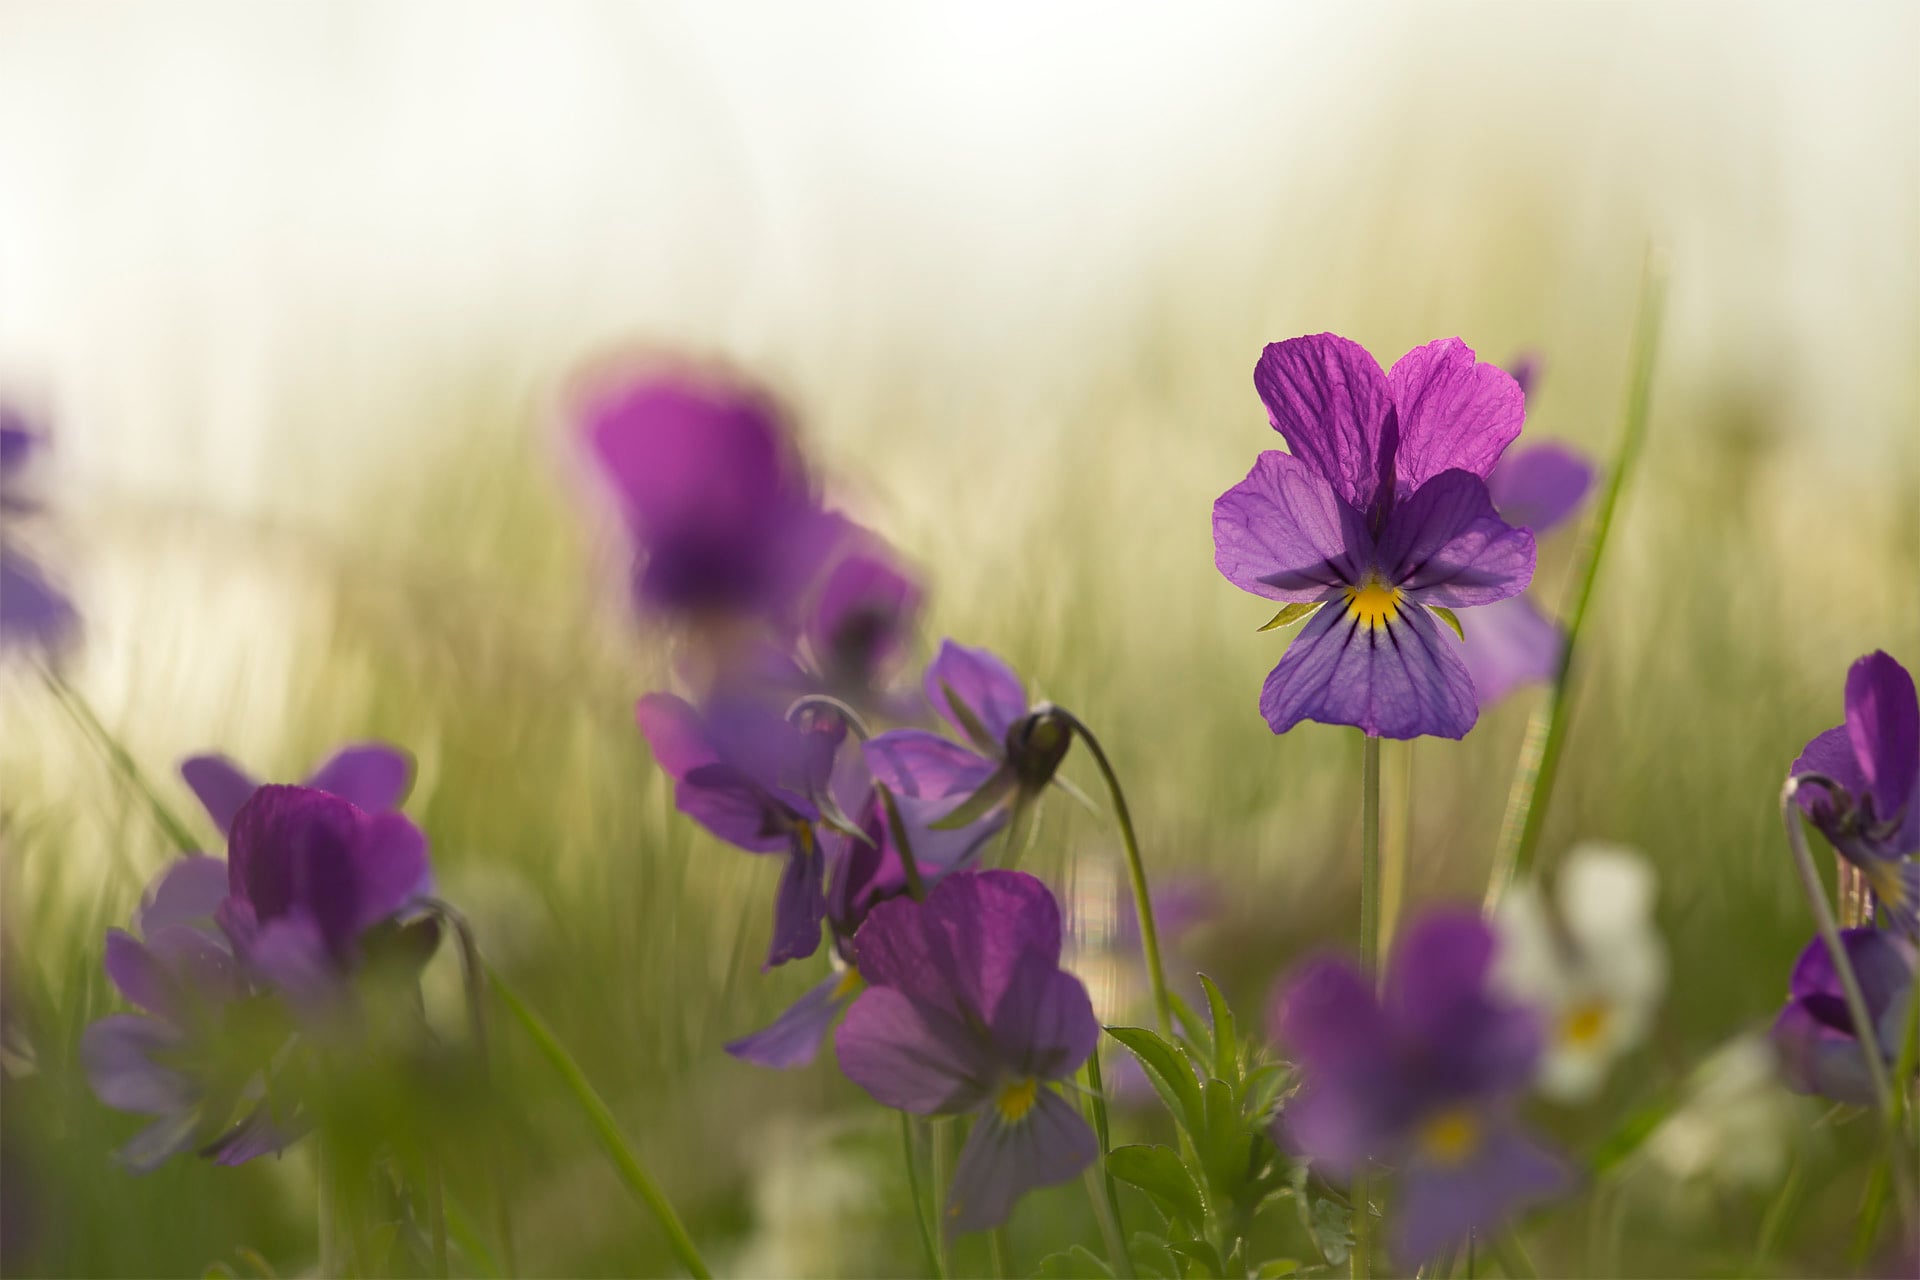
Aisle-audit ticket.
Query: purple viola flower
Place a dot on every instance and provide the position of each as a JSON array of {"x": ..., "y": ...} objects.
[
  {"x": 1424, "y": 1076},
  {"x": 1007, "y": 747},
  {"x": 713, "y": 493},
  {"x": 968, "y": 1012},
  {"x": 1820, "y": 1052},
  {"x": 34, "y": 612},
  {"x": 1378, "y": 517},
  {"x": 374, "y": 776},
  {"x": 1873, "y": 819},
  {"x": 859, "y": 627}
]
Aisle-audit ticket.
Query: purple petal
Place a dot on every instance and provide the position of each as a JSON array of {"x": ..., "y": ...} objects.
[
  {"x": 160, "y": 1141},
  {"x": 1883, "y": 963},
  {"x": 254, "y": 1136},
  {"x": 199, "y": 964},
  {"x": 799, "y": 906},
  {"x": 793, "y": 1038},
  {"x": 1525, "y": 369},
  {"x": 139, "y": 976},
  {"x": 1883, "y": 723},
  {"x": 32, "y": 610},
  {"x": 221, "y": 786},
  {"x": 1440, "y": 1204},
  {"x": 1435, "y": 994},
  {"x": 1044, "y": 1025},
  {"x": 674, "y": 731},
  {"x": 1400, "y": 680},
  {"x": 1441, "y": 959},
  {"x": 1004, "y": 1159},
  {"x": 984, "y": 684},
  {"x": 912, "y": 1055},
  {"x": 1326, "y": 395},
  {"x": 390, "y": 868},
  {"x": 1830, "y": 753},
  {"x": 916, "y": 763},
  {"x": 732, "y": 808},
  {"x": 119, "y": 1055},
  {"x": 1818, "y": 1057},
  {"x": 862, "y": 619},
  {"x": 1455, "y": 413},
  {"x": 1538, "y": 487},
  {"x": 1509, "y": 643},
  {"x": 186, "y": 892},
  {"x": 1445, "y": 546},
  {"x": 1283, "y": 532},
  {"x": 963, "y": 946},
  {"x": 372, "y": 775},
  {"x": 1325, "y": 1015},
  {"x": 292, "y": 956}
]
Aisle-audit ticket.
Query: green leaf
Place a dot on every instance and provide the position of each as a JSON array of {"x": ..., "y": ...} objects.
[
  {"x": 1261, "y": 1089},
  {"x": 1292, "y": 614},
  {"x": 1451, "y": 618},
  {"x": 1076, "y": 1263},
  {"x": 1170, "y": 1071},
  {"x": 1628, "y": 1135},
  {"x": 1201, "y": 1252},
  {"x": 1225, "y": 1146},
  {"x": 1158, "y": 1171},
  {"x": 1277, "y": 1267},
  {"x": 1332, "y": 1231},
  {"x": 1151, "y": 1257},
  {"x": 1226, "y": 1034},
  {"x": 1196, "y": 1033},
  {"x": 975, "y": 806}
]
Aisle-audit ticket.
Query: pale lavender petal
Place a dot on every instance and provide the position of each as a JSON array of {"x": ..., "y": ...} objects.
[
  {"x": 1044, "y": 1025},
  {"x": 140, "y": 976},
  {"x": 912, "y": 1055},
  {"x": 372, "y": 775},
  {"x": 119, "y": 1056},
  {"x": 984, "y": 685},
  {"x": 1883, "y": 722},
  {"x": 1400, "y": 680},
  {"x": 916, "y": 763},
  {"x": 1004, "y": 1159},
  {"x": 1445, "y": 546},
  {"x": 1326, "y": 395},
  {"x": 292, "y": 956},
  {"x": 1509, "y": 643},
  {"x": 799, "y": 905},
  {"x": 793, "y": 1038},
  {"x": 220, "y": 785},
  {"x": 1283, "y": 532},
  {"x": 1454, "y": 413},
  {"x": 1439, "y": 1205},
  {"x": 186, "y": 892},
  {"x": 1819, "y": 1054},
  {"x": 32, "y": 610},
  {"x": 1538, "y": 487},
  {"x": 254, "y": 1136},
  {"x": 198, "y": 962}
]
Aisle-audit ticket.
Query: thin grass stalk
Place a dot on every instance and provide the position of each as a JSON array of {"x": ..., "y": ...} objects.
[
  {"x": 997, "y": 1253},
  {"x": 1539, "y": 765},
  {"x": 1513, "y": 1258},
  {"x": 920, "y": 1206},
  {"x": 607, "y": 1129},
  {"x": 121, "y": 760},
  {"x": 941, "y": 1159}
]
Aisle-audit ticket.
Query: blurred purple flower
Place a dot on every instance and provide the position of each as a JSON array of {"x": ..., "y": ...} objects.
[
  {"x": 1382, "y": 510},
  {"x": 33, "y": 612},
  {"x": 1874, "y": 819},
  {"x": 969, "y": 1011},
  {"x": 1424, "y": 1075},
  {"x": 1814, "y": 1035},
  {"x": 374, "y": 776}
]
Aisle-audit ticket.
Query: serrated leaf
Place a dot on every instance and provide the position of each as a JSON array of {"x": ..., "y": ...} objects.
[
  {"x": 1332, "y": 1231},
  {"x": 1222, "y": 1140},
  {"x": 1159, "y": 1172},
  {"x": 1292, "y": 614},
  {"x": 1451, "y": 618},
  {"x": 1077, "y": 1263},
  {"x": 975, "y": 806},
  {"x": 1170, "y": 1071},
  {"x": 1226, "y": 1034},
  {"x": 1261, "y": 1089},
  {"x": 1195, "y": 1032}
]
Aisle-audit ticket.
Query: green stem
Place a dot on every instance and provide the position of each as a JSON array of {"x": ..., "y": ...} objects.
[
  {"x": 606, "y": 1128},
  {"x": 919, "y": 1201},
  {"x": 1361, "y": 1260},
  {"x": 941, "y": 1157},
  {"x": 997, "y": 1252},
  {"x": 1395, "y": 847},
  {"x": 1533, "y": 778},
  {"x": 325, "y": 1209},
  {"x": 1136, "y": 877},
  {"x": 437, "y": 1216},
  {"x": 916, "y": 888},
  {"x": 1100, "y": 1185},
  {"x": 120, "y": 758},
  {"x": 1513, "y": 1259}
]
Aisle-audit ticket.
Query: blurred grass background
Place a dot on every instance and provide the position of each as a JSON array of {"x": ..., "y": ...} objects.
[{"x": 298, "y": 288}]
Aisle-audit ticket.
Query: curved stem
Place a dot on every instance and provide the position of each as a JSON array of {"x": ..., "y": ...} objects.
[
  {"x": 1396, "y": 846},
  {"x": 835, "y": 705},
  {"x": 1362, "y": 1257},
  {"x": 1136, "y": 876}
]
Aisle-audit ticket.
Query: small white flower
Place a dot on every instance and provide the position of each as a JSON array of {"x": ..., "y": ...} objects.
[
  {"x": 1595, "y": 968},
  {"x": 1734, "y": 1124}
]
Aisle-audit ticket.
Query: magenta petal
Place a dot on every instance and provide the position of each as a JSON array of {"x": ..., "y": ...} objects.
[
  {"x": 1445, "y": 546},
  {"x": 1440, "y": 1205},
  {"x": 1883, "y": 722},
  {"x": 1538, "y": 487},
  {"x": 673, "y": 730},
  {"x": 1004, "y": 1159},
  {"x": 862, "y": 618},
  {"x": 1454, "y": 412},
  {"x": 390, "y": 868},
  {"x": 916, "y": 763},
  {"x": 1283, "y": 532},
  {"x": 186, "y": 892},
  {"x": 984, "y": 684},
  {"x": 1326, "y": 395},
  {"x": 1401, "y": 680},
  {"x": 221, "y": 786},
  {"x": 1509, "y": 643},
  {"x": 119, "y": 1056},
  {"x": 793, "y": 1038},
  {"x": 372, "y": 775},
  {"x": 1327, "y": 1017},
  {"x": 912, "y": 1055}
]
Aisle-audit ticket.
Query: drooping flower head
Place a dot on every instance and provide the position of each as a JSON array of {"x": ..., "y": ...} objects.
[
  {"x": 967, "y": 1011},
  {"x": 1593, "y": 967},
  {"x": 1379, "y": 516},
  {"x": 373, "y": 776},
  {"x": 1873, "y": 820},
  {"x": 1820, "y": 1050},
  {"x": 1424, "y": 1076},
  {"x": 34, "y": 612}
]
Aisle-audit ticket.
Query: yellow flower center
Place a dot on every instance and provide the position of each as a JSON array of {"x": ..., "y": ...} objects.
[
  {"x": 851, "y": 983},
  {"x": 1373, "y": 604},
  {"x": 804, "y": 834},
  {"x": 1887, "y": 885},
  {"x": 1450, "y": 1137},
  {"x": 1584, "y": 1023},
  {"x": 1016, "y": 1099}
]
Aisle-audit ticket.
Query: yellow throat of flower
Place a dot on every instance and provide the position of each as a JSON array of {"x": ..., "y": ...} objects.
[
  {"x": 1450, "y": 1137},
  {"x": 1585, "y": 1023},
  {"x": 1016, "y": 1098},
  {"x": 1373, "y": 604}
]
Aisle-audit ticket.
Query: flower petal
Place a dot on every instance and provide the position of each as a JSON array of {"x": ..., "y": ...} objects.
[
  {"x": 119, "y": 1055},
  {"x": 1537, "y": 487},
  {"x": 1883, "y": 723},
  {"x": 1400, "y": 680},
  {"x": 1439, "y": 1205},
  {"x": 221, "y": 786},
  {"x": 673, "y": 729},
  {"x": 985, "y": 687},
  {"x": 372, "y": 775},
  {"x": 1883, "y": 963},
  {"x": 1454, "y": 412},
  {"x": 1326, "y": 395},
  {"x": 1819, "y": 1058},
  {"x": 1044, "y": 1025},
  {"x": 186, "y": 892},
  {"x": 32, "y": 609},
  {"x": 793, "y": 1038},
  {"x": 1507, "y": 644},
  {"x": 1445, "y": 546},
  {"x": 390, "y": 868},
  {"x": 799, "y": 905},
  {"x": 1829, "y": 753},
  {"x": 160, "y": 1141},
  {"x": 1327, "y": 1017},
  {"x": 915, "y": 763},
  {"x": 1283, "y": 532},
  {"x": 912, "y": 1055},
  {"x": 862, "y": 618},
  {"x": 965, "y": 944},
  {"x": 1003, "y": 1160}
]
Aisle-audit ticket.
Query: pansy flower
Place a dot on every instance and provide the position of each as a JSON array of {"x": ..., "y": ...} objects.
[
  {"x": 374, "y": 776},
  {"x": 968, "y": 1012},
  {"x": 1378, "y": 524},
  {"x": 33, "y": 612},
  {"x": 1593, "y": 967},
  {"x": 1873, "y": 819},
  {"x": 1424, "y": 1076},
  {"x": 1819, "y": 1047}
]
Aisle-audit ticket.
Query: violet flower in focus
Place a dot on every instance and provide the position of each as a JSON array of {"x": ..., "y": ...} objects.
[
  {"x": 1424, "y": 1076},
  {"x": 374, "y": 776},
  {"x": 1380, "y": 511},
  {"x": 1820, "y": 1051},
  {"x": 1873, "y": 821},
  {"x": 33, "y": 612},
  {"x": 968, "y": 1011}
]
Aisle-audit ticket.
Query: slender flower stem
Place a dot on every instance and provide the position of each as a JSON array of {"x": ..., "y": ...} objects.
[
  {"x": 1136, "y": 876},
  {"x": 1863, "y": 1025},
  {"x": 120, "y": 758},
  {"x": 1395, "y": 846},
  {"x": 1539, "y": 765},
  {"x": 941, "y": 1133},
  {"x": 473, "y": 979},
  {"x": 607, "y": 1129},
  {"x": 1361, "y": 1259},
  {"x": 325, "y": 1210},
  {"x": 919, "y": 1200},
  {"x": 1105, "y": 1195},
  {"x": 997, "y": 1252},
  {"x": 437, "y": 1216}
]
